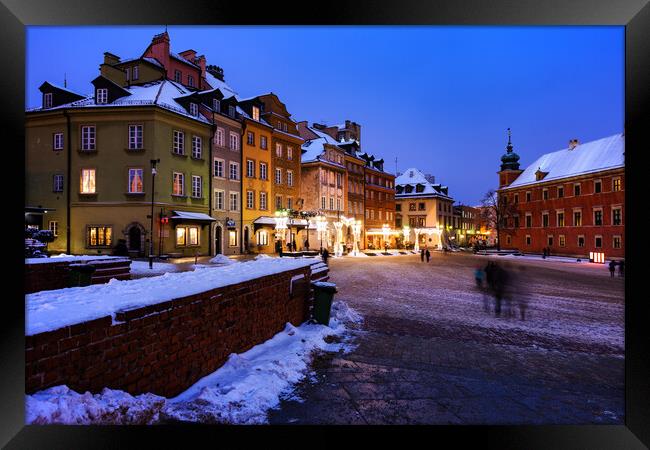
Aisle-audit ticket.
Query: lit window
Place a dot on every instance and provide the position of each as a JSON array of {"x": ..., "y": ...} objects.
[
  {"x": 178, "y": 184},
  {"x": 262, "y": 237},
  {"x": 181, "y": 236},
  {"x": 232, "y": 238},
  {"x": 57, "y": 141},
  {"x": 88, "y": 137},
  {"x": 135, "y": 137},
  {"x": 256, "y": 113},
  {"x": 100, "y": 236},
  {"x": 102, "y": 96},
  {"x": 562, "y": 240},
  {"x": 616, "y": 242},
  {"x": 577, "y": 219},
  {"x": 193, "y": 235},
  {"x": 87, "y": 181},
  {"x": 289, "y": 153},
  {"x": 278, "y": 150},
  {"x": 560, "y": 219},
  {"x": 616, "y": 184},
  {"x": 136, "y": 185}
]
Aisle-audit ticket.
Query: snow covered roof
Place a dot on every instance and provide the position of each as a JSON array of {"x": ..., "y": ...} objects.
[
  {"x": 56, "y": 86},
  {"x": 214, "y": 82},
  {"x": 181, "y": 59},
  {"x": 159, "y": 93},
  {"x": 185, "y": 215},
  {"x": 413, "y": 177},
  {"x": 595, "y": 156}
]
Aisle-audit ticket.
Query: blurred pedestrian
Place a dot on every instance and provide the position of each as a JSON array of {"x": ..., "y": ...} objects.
[
  {"x": 479, "y": 274},
  {"x": 612, "y": 268},
  {"x": 422, "y": 255},
  {"x": 307, "y": 244},
  {"x": 326, "y": 255},
  {"x": 517, "y": 290},
  {"x": 500, "y": 277},
  {"x": 621, "y": 268},
  {"x": 428, "y": 255}
]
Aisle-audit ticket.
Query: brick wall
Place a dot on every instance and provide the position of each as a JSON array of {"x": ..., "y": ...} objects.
[
  {"x": 167, "y": 347},
  {"x": 54, "y": 274}
]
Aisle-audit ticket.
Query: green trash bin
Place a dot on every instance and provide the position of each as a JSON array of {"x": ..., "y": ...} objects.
[
  {"x": 323, "y": 295},
  {"x": 80, "y": 275}
]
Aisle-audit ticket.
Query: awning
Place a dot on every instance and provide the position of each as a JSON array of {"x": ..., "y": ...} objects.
[
  {"x": 191, "y": 216},
  {"x": 380, "y": 231},
  {"x": 293, "y": 223},
  {"x": 37, "y": 210}
]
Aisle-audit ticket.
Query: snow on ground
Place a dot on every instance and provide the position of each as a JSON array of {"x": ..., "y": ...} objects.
[
  {"x": 65, "y": 258},
  {"x": 49, "y": 310},
  {"x": 222, "y": 259},
  {"x": 240, "y": 392},
  {"x": 141, "y": 268},
  {"x": 262, "y": 256}
]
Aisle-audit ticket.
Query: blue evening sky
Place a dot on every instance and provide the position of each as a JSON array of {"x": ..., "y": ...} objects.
[{"x": 437, "y": 98}]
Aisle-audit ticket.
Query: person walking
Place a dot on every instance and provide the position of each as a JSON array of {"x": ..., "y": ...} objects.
[
  {"x": 307, "y": 244},
  {"x": 621, "y": 268},
  {"x": 428, "y": 255},
  {"x": 479, "y": 274},
  {"x": 612, "y": 268},
  {"x": 326, "y": 255},
  {"x": 422, "y": 255},
  {"x": 500, "y": 277}
]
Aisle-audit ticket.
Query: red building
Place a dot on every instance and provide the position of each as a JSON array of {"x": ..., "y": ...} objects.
[{"x": 571, "y": 201}]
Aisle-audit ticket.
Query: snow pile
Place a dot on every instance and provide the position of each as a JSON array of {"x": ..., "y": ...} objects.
[
  {"x": 262, "y": 256},
  {"x": 240, "y": 392},
  {"x": 251, "y": 383},
  {"x": 222, "y": 259},
  {"x": 358, "y": 255},
  {"x": 50, "y": 310},
  {"x": 61, "y": 405},
  {"x": 142, "y": 268}
]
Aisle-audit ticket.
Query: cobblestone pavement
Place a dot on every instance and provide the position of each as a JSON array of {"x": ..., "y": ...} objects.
[{"x": 429, "y": 353}]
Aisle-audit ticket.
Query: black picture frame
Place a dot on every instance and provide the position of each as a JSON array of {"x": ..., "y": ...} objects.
[{"x": 633, "y": 14}]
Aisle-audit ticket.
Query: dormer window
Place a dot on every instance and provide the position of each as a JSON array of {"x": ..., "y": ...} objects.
[
  {"x": 284, "y": 127},
  {"x": 136, "y": 72},
  {"x": 47, "y": 100},
  {"x": 101, "y": 96},
  {"x": 256, "y": 113},
  {"x": 190, "y": 81},
  {"x": 231, "y": 111},
  {"x": 411, "y": 174},
  {"x": 216, "y": 105},
  {"x": 194, "y": 109}
]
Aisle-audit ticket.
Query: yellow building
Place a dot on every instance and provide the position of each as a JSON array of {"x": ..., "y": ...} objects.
[{"x": 256, "y": 177}]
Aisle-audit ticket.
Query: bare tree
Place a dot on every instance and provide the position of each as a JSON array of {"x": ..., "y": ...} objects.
[{"x": 495, "y": 212}]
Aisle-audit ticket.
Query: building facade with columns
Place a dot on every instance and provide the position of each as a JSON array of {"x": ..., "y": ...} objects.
[{"x": 571, "y": 201}]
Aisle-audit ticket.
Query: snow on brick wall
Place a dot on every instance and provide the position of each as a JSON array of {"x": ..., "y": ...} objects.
[
  {"x": 166, "y": 347},
  {"x": 47, "y": 274}
]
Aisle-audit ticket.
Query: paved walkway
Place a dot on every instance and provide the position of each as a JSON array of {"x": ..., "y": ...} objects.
[{"x": 428, "y": 353}]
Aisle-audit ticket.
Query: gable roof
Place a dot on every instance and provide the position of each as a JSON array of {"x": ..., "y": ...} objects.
[
  {"x": 595, "y": 156},
  {"x": 413, "y": 177}
]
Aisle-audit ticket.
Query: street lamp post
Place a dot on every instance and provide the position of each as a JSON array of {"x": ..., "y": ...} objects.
[
  {"x": 321, "y": 226},
  {"x": 153, "y": 184}
]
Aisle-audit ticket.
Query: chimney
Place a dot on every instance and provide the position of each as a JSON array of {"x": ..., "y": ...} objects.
[
  {"x": 201, "y": 61},
  {"x": 111, "y": 59},
  {"x": 159, "y": 49},
  {"x": 573, "y": 143},
  {"x": 215, "y": 71}
]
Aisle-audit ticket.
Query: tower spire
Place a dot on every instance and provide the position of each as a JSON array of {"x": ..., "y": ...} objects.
[
  {"x": 65, "y": 81},
  {"x": 509, "y": 147}
]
